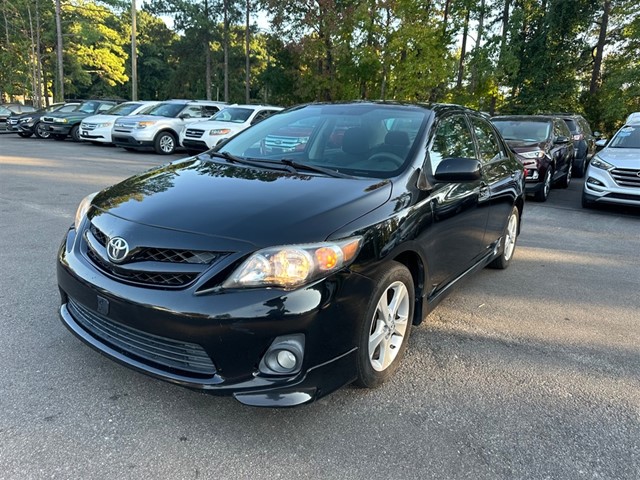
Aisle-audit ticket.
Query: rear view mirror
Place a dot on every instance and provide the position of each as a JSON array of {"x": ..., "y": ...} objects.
[{"x": 458, "y": 169}]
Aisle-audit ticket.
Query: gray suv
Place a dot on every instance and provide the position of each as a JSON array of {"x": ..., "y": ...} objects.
[
  {"x": 159, "y": 129},
  {"x": 584, "y": 141}
]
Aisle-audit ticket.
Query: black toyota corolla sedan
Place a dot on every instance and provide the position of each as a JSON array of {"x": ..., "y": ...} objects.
[{"x": 294, "y": 258}]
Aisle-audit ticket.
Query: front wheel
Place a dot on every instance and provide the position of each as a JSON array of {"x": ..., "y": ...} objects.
[
  {"x": 508, "y": 241},
  {"x": 40, "y": 131},
  {"x": 165, "y": 143},
  {"x": 542, "y": 194},
  {"x": 75, "y": 133},
  {"x": 386, "y": 326}
]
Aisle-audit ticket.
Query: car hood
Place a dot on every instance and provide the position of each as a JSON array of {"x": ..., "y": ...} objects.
[
  {"x": 143, "y": 118},
  {"x": 262, "y": 207},
  {"x": 100, "y": 118},
  {"x": 621, "y": 157},
  {"x": 211, "y": 124},
  {"x": 75, "y": 114}
]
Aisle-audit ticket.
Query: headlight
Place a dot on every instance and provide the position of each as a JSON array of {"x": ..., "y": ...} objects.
[
  {"x": 532, "y": 154},
  {"x": 146, "y": 124},
  {"x": 291, "y": 266},
  {"x": 26, "y": 119},
  {"x": 599, "y": 163},
  {"x": 219, "y": 131},
  {"x": 60, "y": 120},
  {"x": 83, "y": 208}
]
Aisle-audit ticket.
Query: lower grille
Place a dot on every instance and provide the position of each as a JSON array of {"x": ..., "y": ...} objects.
[
  {"x": 626, "y": 177},
  {"x": 162, "y": 352}
]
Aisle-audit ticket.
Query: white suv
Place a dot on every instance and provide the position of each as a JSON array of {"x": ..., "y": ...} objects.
[
  {"x": 97, "y": 128},
  {"x": 226, "y": 123},
  {"x": 160, "y": 127}
]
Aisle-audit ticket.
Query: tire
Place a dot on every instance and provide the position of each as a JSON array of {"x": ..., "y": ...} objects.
[
  {"x": 25, "y": 134},
  {"x": 509, "y": 239},
  {"x": 75, "y": 133},
  {"x": 581, "y": 167},
  {"x": 383, "y": 337},
  {"x": 543, "y": 194},
  {"x": 40, "y": 132},
  {"x": 566, "y": 180},
  {"x": 165, "y": 143},
  {"x": 58, "y": 136}
]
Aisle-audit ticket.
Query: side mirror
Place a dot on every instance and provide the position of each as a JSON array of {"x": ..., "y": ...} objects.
[
  {"x": 597, "y": 134},
  {"x": 562, "y": 139},
  {"x": 458, "y": 169},
  {"x": 182, "y": 116},
  {"x": 600, "y": 144}
]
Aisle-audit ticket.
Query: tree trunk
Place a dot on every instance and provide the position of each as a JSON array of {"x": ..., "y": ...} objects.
[
  {"x": 480, "y": 33},
  {"x": 42, "y": 88},
  {"x": 247, "y": 66},
  {"x": 505, "y": 25},
  {"x": 447, "y": 6},
  {"x": 60, "y": 79},
  {"x": 463, "y": 51},
  {"x": 602, "y": 40},
  {"x": 226, "y": 49},
  {"x": 207, "y": 53},
  {"x": 33, "y": 67}
]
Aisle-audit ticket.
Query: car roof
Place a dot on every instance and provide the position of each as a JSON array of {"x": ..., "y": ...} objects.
[{"x": 533, "y": 118}]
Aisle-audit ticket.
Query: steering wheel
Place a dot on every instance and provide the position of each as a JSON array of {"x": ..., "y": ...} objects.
[{"x": 380, "y": 161}]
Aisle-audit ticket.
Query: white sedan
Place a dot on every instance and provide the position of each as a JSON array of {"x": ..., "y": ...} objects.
[
  {"x": 201, "y": 136},
  {"x": 97, "y": 128}
]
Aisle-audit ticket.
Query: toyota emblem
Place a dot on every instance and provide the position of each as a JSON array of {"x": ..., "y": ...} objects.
[{"x": 117, "y": 249}]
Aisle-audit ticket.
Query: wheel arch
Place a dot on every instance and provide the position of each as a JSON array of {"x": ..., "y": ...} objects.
[{"x": 415, "y": 265}]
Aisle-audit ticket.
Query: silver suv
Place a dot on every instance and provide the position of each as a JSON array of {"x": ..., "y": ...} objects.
[{"x": 160, "y": 127}]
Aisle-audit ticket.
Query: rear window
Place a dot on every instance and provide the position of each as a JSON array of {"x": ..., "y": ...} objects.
[{"x": 524, "y": 130}]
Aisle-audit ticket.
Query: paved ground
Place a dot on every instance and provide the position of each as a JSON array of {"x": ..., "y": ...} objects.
[{"x": 529, "y": 373}]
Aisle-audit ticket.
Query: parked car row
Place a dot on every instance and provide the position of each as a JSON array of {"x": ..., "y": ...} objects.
[{"x": 196, "y": 125}]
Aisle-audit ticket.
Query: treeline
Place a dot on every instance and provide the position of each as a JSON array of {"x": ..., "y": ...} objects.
[{"x": 508, "y": 56}]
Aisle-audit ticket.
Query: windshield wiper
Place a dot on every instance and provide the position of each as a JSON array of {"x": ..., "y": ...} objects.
[
  {"x": 313, "y": 168},
  {"x": 243, "y": 161}
]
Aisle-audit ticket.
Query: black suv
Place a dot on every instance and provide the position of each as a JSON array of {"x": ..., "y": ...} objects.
[{"x": 584, "y": 141}]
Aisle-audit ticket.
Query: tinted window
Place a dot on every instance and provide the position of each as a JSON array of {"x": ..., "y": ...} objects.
[
  {"x": 488, "y": 143},
  {"x": 89, "y": 107},
  {"x": 166, "y": 110},
  {"x": 451, "y": 139},
  {"x": 524, "y": 130},
  {"x": 572, "y": 124},
  {"x": 208, "y": 110}
]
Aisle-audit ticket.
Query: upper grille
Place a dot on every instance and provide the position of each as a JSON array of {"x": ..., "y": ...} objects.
[
  {"x": 161, "y": 279},
  {"x": 124, "y": 126},
  {"x": 183, "y": 266},
  {"x": 154, "y": 350},
  {"x": 626, "y": 177},
  {"x": 89, "y": 126},
  {"x": 193, "y": 133}
]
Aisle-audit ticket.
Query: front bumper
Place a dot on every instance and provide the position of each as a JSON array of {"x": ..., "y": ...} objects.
[
  {"x": 130, "y": 141},
  {"x": 600, "y": 187},
  {"x": 234, "y": 329},
  {"x": 102, "y": 135},
  {"x": 58, "y": 129},
  {"x": 198, "y": 145}
]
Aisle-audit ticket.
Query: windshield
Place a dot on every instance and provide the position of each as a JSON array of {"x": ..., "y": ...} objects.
[
  {"x": 525, "y": 131},
  {"x": 89, "y": 107},
  {"x": 368, "y": 140},
  {"x": 166, "y": 110},
  {"x": 627, "y": 137},
  {"x": 123, "y": 109},
  {"x": 232, "y": 114}
]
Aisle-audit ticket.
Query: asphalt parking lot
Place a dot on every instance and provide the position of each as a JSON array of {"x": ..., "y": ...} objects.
[{"x": 532, "y": 372}]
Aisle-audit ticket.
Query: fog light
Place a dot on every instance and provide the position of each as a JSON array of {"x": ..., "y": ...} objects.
[
  {"x": 286, "y": 359},
  {"x": 284, "y": 355},
  {"x": 593, "y": 181}
]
